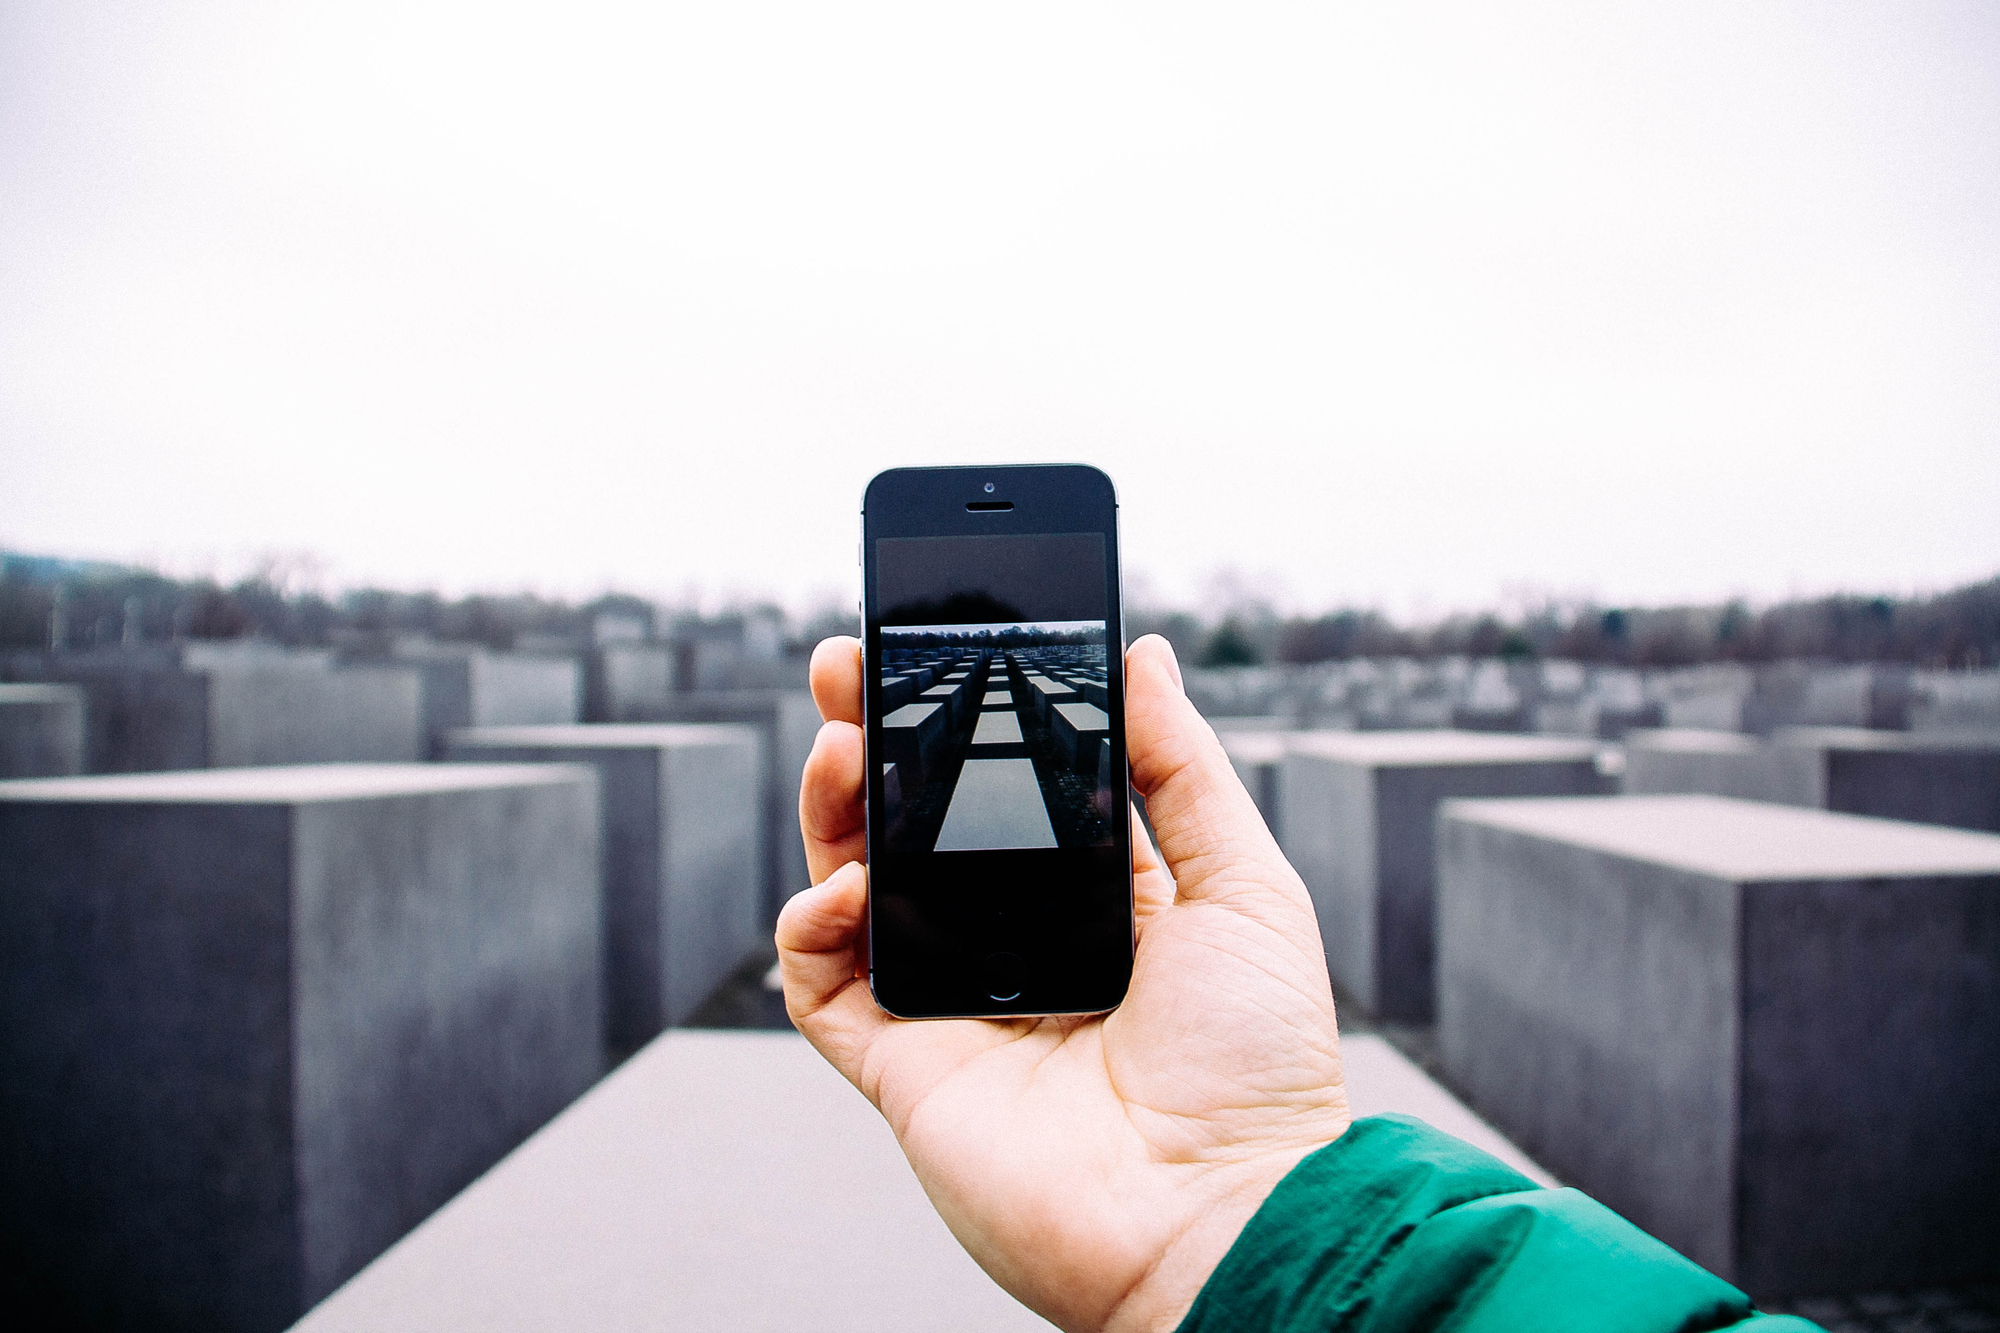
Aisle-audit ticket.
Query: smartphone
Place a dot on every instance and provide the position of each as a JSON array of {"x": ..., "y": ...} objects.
[{"x": 999, "y": 837}]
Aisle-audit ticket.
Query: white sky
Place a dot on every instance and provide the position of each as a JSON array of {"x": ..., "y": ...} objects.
[{"x": 1430, "y": 309}]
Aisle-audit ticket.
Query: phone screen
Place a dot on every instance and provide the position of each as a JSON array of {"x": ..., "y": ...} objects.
[{"x": 998, "y": 834}]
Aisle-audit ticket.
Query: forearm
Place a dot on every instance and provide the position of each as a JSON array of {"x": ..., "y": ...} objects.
[{"x": 1398, "y": 1228}]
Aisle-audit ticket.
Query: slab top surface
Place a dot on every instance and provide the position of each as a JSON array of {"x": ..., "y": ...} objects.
[
  {"x": 1253, "y": 747},
  {"x": 1896, "y": 742},
  {"x": 1742, "y": 840},
  {"x": 604, "y": 735},
  {"x": 1084, "y": 717},
  {"x": 1416, "y": 749},
  {"x": 39, "y": 694},
  {"x": 909, "y": 715},
  {"x": 289, "y": 785},
  {"x": 997, "y": 728},
  {"x": 997, "y": 803},
  {"x": 1692, "y": 740}
]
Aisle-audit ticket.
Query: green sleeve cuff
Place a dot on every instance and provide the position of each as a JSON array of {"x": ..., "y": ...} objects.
[{"x": 1395, "y": 1228}]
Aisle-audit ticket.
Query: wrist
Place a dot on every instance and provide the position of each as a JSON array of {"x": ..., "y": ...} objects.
[{"x": 1219, "y": 1203}]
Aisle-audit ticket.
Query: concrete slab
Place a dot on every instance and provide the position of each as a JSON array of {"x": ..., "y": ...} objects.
[
  {"x": 147, "y": 712},
  {"x": 1687, "y": 760},
  {"x": 1356, "y": 815},
  {"x": 892, "y": 792},
  {"x": 1045, "y": 693},
  {"x": 681, "y": 873},
  {"x": 997, "y": 803},
  {"x": 1956, "y": 702},
  {"x": 627, "y": 682},
  {"x": 41, "y": 731},
  {"x": 997, "y": 728},
  {"x": 897, "y": 691},
  {"x": 467, "y": 686},
  {"x": 1258, "y": 758},
  {"x": 1929, "y": 779},
  {"x": 1077, "y": 729},
  {"x": 1763, "y": 1033},
  {"x": 352, "y": 715},
  {"x": 913, "y": 738},
  {"x": 263, "y": 1021},
  {"x": 950, "y": 697},
  {"x": 790, "y": 722}
]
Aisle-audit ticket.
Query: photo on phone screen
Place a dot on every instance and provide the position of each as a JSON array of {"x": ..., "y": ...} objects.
[{"x": 995, "y": 725}]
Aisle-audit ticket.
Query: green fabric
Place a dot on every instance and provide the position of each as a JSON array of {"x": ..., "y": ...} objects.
[{"x": 1397, "y": 1228}]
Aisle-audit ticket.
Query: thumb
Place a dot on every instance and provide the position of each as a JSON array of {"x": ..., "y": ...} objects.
[{"x": 1209, "y": 830}]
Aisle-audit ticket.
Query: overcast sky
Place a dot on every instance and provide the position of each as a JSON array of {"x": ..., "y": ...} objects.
[{"x": 1431, "y": 308}]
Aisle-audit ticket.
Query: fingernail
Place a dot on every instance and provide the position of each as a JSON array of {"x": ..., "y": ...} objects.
[{"x": 1174, "y": 664}]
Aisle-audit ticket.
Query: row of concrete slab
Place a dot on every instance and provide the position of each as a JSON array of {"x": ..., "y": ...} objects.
[
  {"x": 925, "y": 707},
  {"x": 163, "y": 707},
  {"x": 263, "y": 1020},
  {"x": 1573, "y": 698},
  {"x": 1767, "y": 1032},
  {"x": 157, "y": 707}
]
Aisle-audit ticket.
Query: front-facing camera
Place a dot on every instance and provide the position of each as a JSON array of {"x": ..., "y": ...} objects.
[{"x": 989, "y": 488}]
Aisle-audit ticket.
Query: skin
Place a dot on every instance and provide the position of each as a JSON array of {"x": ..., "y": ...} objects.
[{"x": 1098, "y": 1168}]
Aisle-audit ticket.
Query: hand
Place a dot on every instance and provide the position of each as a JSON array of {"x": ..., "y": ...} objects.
[{"x": 1098, "y": 1168}]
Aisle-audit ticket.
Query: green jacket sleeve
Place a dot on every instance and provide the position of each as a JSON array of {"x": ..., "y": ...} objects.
[{"x": 1397, "y": 1228}]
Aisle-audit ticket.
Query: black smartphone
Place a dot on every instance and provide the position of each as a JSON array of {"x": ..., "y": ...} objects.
[{"x": 999, "y": 836}]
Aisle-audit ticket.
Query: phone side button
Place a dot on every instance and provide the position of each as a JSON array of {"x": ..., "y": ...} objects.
[{"x": 1002, "y": 974}]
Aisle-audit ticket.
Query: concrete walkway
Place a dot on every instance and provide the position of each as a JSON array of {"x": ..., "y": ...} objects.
[{"x": 731, "y": 1180}]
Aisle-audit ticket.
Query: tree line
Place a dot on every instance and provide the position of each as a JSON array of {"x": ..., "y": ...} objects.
[{"x": 86, "y": 605}]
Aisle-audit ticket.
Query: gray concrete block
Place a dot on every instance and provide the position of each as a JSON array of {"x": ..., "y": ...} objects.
[
  {"x": 1707, "y": 698},
  {"x": 952, "y": 697},
  {"x": 1045, "y": 692},
  {"x": 1519, "y": 718},
  {"x": 466, "y": 686},
  {"x": 274, "y": 717},
  {"x": 1356, "y": 812},
  {"x": 1686, "y": 760},
  {"x": 892, "y": 792},
  {"x": 913, "y": 736},
  {"x": 146, "y": 711},
  {"x": 681, "y": 873},
  {"x": 897, "y": 691},
  {"x": 41, "y": 731},
  {"x": 1956, "y": 702},
  {"x": 996, "y": 803},
  {"x": 1259, "y": 760},
  {"x": 628, "y": 682},
  {"x": 1795, "y": 694},
  {"x": 1925, "y": 778},
  {"x": 262, "y": 1021},
  {"x": 1078, "y": 728},
  {"x": 1763, "y": 1033},
  {"x": 790, "y": 722}
]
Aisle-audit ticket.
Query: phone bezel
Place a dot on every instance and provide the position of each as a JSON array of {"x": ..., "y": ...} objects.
[{"x": 932, "y": 502}]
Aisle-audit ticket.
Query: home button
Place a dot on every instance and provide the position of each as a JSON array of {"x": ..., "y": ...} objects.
[{"x": 1003, "y": 974}]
